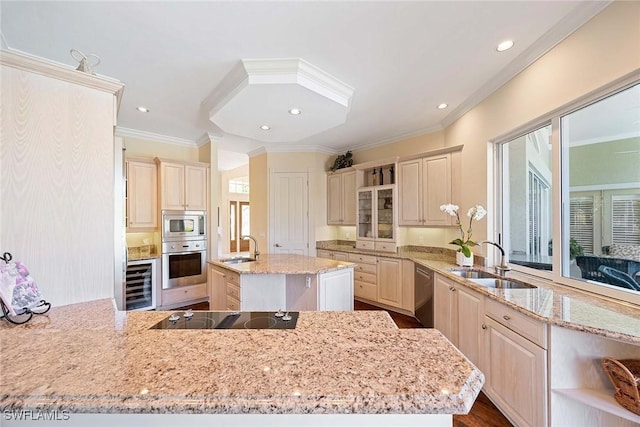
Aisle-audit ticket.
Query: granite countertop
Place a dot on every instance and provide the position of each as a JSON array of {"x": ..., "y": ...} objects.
[
  {"x": 550, "y": 303},
  {"x": 90, "y": 358},
  {"x": 285, "y": 264}
]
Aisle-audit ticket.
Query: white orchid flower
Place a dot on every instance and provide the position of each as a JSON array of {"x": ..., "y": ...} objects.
[
  {"x": 477, "y": 212},
  {"x": 451, "y": 209}
]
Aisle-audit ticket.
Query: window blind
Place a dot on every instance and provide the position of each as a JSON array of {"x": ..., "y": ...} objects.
[
  {"x": 625, "y": 219},
  {"x": 581, "y": 222}
]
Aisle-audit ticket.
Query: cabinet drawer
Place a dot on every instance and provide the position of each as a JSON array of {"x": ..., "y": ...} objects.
[
  {"x": 365, "y": 277},
  {"x": 321, "y": 253},
  {"x": 233, "y": 304},
  {"x": 385, "y": 247},
  {"x": 341, "y": 256},
  {"x": 365, "y": 259},
  {"x": 233, "y": 291},
  {"x": 366, "y": 268},
  {"x": 365, "y": 290},
  {"x": 533, "y": 330},
  {"x": 233, "y": 278},
  {"x": 183, "y": 294},
  {"x": 365, "y": 244}
]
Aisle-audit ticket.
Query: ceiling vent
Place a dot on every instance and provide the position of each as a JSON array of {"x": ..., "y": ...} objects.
[{"x": 261, "y": 92}]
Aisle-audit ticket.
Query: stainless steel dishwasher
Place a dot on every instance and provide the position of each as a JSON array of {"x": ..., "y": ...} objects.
[{"x": 424, "y": 296}]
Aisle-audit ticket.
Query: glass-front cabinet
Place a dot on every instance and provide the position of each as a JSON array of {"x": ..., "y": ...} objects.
[{"x": 376, "y": 223}]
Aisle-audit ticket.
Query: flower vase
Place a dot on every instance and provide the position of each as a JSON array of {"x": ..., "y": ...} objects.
[{"x": 464, "y": 261}]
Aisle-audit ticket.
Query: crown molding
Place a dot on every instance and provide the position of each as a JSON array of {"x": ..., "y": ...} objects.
[
  {"x": 149, "y": 136},
  {"x": 35, "y": 64},
  {"x": 257, "y": 152},
  {"x": 563, "y": 29}
]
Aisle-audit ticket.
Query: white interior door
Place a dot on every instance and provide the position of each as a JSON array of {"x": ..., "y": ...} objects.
[{"x": 290, "y": 213}]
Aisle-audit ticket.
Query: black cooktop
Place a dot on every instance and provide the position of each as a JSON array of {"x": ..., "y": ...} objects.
[{"x": 229, "y": 320}]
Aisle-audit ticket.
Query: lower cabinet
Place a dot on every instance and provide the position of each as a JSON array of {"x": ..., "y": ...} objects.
[
  {"x": 507, "y": 346},
  {"x": 390, "y": 281},
  {"x": 217, "y": 289},
  {"x": 183, "y": 295},
  {"x": 516, "y": 368},
  {"x": 459, "y": 315}
]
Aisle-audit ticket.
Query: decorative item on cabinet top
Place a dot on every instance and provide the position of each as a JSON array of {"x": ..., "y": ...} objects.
[{"x": 342, "y": 161}]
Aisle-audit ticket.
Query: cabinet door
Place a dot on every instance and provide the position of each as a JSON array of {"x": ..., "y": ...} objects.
[
  {"x": 349, "y": 198},
  {"x": 470, "y": 318},
  {"x": 445, "y": 307},
  {"x": 334, "y": 199},
  {"x": 436, "y": 182},
  {"x": 410, "y": 187},
  {"x": 365, "y": 214},
  {"x": 172, "y": 186},
  {"x": 515, "y": 375},
  {"x": 335, "y": 290},
  {"x": 340, "y": 256},
  {"x": 390, "y": 281},
  {"x": 142, "y": 196},
  {"x": 320, "y": 253},
  {"x": 195, "y": 188},
  {"x": 217, "y": 290}
]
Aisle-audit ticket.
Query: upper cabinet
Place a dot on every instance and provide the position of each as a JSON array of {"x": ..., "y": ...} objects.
[
  {"x": 426, "y": 183},
  {"x": 341, "y": 198},
  {"x": 183, "y": 186},
  {"x": 142, "y": 195}
]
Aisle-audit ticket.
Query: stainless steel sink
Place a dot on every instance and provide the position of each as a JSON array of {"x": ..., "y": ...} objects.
[
  {"x": 472, "y": 274},
  {"x": 238, "y": 260},
  {"x": 501, "y": 283}
]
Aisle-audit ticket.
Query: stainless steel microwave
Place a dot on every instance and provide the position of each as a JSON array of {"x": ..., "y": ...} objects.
[{"x": 183, "y": 225}]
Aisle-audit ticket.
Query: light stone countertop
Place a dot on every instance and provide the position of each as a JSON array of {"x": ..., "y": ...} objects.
[
  {"x": 90, "y": 358},
  {"x": 551, "y": 303},
  {"x": 285, "y": 264}
]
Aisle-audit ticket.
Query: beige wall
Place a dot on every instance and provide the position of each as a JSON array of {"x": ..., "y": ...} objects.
[
  {"x": 137, "y": 147},
  {"x": 259, "y": 199},
  {"x": 604, "y": 49},
  {"x": 405, "y": 147}
]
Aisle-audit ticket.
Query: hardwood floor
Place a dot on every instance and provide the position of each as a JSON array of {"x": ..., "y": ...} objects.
[{"x": 482, "y": 414}]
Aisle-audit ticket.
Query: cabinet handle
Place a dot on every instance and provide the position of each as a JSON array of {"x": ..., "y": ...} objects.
[
  {"x": 484, "y": 326},
  {"x": 452, "y": 289},
  {"x": 505, "y": 317}
]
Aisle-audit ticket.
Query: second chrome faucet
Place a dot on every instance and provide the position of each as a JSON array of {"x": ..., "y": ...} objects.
[{"x": 256, "y": 252}]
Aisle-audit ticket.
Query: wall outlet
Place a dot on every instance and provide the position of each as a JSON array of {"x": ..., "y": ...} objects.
[
  {"x": 421, "y": 240},
  {"x": 346, "y": 236}
]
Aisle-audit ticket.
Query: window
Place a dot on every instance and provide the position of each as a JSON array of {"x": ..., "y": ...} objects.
[
  {"x": 594, "y": 241},
  {"x": 239, "y": 185}
]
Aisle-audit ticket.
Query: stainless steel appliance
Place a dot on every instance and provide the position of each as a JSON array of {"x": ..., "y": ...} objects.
[
  {"x": 424, "y": 296},
  {"x": 226, "y": 320},
  {"x": 183, "y": 225},
  {"x": 184, "y": 263}
]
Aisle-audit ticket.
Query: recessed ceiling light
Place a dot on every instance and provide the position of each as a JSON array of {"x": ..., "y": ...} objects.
[
  {"x": 295, "y": 111},
  {"x": 265, "y": 127},
  {"x": 505, "y": 45},
  {"x": 142, "y": 109},
  {"x": 442, "y": 106}
]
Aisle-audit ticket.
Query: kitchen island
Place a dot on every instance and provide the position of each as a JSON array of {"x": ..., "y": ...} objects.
[
  {"x": 281, "y": 281},
  {"x": 95, "y": 365}
]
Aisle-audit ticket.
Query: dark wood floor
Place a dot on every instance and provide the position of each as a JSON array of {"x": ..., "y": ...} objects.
[{"x": 482, "y": 414}]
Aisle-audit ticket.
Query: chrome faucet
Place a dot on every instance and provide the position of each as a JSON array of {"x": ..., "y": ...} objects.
[
  {"x": 256, "y": 252},
  {"x": 503, "y": 267}
]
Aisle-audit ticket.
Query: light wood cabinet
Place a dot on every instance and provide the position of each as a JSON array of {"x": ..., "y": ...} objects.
[
  {"x": 390, "y": 281},
  {"x": 516, "y": 375},
  {"x": 341, "y": 198},
  {"x": 336, "y": 256},
  {"x": 183, "y": 186},
  {"x": 424, "y": 185},
  {"x": 365, "y": 279},
  {"x": 459, "y": 315},
  {"x": 184, "y": 294},
  {"x": 217, "y": 289},
  {"x": 142, "y": 195}
]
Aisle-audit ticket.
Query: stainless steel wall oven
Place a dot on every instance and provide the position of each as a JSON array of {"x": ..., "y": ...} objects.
[{"x": 184, "y": 263}]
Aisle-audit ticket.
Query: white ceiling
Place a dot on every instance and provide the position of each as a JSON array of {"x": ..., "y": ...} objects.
[{"x": 401, "y": 58}]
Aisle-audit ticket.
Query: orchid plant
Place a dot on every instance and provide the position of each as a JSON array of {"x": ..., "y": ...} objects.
[{"x": 477, "y": 212}]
